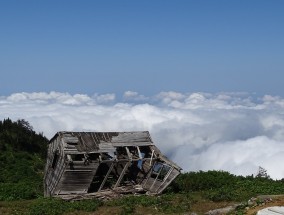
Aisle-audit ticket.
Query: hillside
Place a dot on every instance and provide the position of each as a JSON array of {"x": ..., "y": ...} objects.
[{"x": 22, "y": 159}]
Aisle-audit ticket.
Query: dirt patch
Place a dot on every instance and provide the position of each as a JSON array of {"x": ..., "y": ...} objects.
[{"x": 201, "y": 207}]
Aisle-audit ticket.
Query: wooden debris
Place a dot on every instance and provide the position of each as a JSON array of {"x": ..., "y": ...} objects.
[{"x": 83, "y": 165}]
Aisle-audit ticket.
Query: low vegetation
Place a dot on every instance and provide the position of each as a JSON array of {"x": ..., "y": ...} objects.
[
  {"x": 22, "y": 158},
  {"x": 223, "y": 186}
]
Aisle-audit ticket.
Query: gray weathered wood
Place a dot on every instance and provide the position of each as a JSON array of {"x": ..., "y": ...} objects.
[
  {"x": 122, "y": 174},
  {"x": 106, "y": 176},
  {"x": 81, "y": 157}
]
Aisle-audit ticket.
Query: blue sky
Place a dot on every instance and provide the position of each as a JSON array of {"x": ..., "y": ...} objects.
[
  {"x": 209, "y": 71},
  {"x": 144, "y": 46}
]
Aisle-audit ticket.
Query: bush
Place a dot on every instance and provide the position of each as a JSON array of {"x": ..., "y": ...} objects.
[
  {"x": 223, "y": 186},
  {"x": 200, "y": 181},
  {"x": 16, "y": 191},
  {"x": 22, "y": 160},
  {"x": 53, "y": 206},
  {"x": 167, "y": 203},
  {"x": 222, "y": 194}
]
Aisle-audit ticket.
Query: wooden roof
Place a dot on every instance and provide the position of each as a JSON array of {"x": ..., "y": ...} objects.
[
  {"x": 87, "y": 163},
  {"x": 102, "y": 141}
]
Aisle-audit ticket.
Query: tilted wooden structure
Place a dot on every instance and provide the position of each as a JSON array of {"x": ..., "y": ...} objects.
[{"x": 92, "y": 163}]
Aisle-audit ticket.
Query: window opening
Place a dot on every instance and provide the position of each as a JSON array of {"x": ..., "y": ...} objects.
[
  {"x": 55, "y": 159},
  {"x": 160, "y": 171}
]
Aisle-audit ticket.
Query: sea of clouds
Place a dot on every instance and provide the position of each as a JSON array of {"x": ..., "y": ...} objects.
[{"x": 235, "y": 132}]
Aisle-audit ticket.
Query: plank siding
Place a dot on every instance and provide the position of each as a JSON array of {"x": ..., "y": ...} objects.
[{"x": 79, "y": 163}]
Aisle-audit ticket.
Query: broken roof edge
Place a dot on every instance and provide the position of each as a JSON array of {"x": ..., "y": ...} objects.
[
  {"x": 101, "y": 132},
  {"x": 130, "y": 169},
  {"x": 168, "y": 161},
  {"x": 162, "y": 156}
]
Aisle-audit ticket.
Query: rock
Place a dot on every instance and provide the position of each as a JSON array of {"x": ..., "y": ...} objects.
[
  {"x": 221, "y": 211},
  {"x": 271, "y": 210},
  {"x": 252, "y": 202}
]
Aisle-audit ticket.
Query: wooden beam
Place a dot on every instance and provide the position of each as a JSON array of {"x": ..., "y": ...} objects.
[
  {"x": 82, "y": 140},
  {"x": 128, "y": 153},
  {"x": 149, "y": 174},
  {"x": 165, "y": 178},
  {"x": 122, "y": 174},
  {"x": 152, "y": 156},
  {"x": 139, "y": 153},
  {"x": 105, "y": 179},
  {"x": 156, "y": 177},
  {"x": 173, "y": 178}
]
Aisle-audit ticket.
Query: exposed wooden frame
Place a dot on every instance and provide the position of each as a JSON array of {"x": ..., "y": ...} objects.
[
  {"x": 122, "y": 174},
  {"x": 105, "y": 148},
  {"x": 106, "y": 177}
]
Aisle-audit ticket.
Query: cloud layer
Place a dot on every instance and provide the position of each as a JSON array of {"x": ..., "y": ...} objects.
[{"x": 236, "y": 132}]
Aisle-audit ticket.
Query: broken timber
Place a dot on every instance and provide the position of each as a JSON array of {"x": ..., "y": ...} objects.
[{"x": 100, "y": 164}]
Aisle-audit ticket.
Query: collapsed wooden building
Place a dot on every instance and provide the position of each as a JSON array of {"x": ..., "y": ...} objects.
[{"x": 92, "y": 164}]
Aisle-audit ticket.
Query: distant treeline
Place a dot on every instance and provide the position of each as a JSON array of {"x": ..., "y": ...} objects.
[
  {"x": 22, "y": 158},
  {"x": 19, "y": 136},
  {"x": 224, "y": 186}
]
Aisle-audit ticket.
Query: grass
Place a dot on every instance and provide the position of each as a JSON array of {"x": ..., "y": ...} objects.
[
  {"x": 18, "y": 207},
  {"x": 136, "y": 205},
  {"x": 164, "y": 204},
  {"x": 198, "y": 192}
]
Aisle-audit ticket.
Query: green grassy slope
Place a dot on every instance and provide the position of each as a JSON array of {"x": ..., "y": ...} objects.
[{"x": 22, "y": 159}]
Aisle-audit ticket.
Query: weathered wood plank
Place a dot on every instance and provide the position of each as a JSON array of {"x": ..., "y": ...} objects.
[
  {"x": 106, "y": 177},
  {"x": 120, "y": 152},
  {"x": 122, "y": 174}
]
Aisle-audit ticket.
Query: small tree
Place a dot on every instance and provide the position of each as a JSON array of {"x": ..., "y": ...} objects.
[{"x": 262, "y": 173}]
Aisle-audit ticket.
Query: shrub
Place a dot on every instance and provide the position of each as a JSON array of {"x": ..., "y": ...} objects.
[
  {"x": 167, "y": 203},
  {"x": 53, "y": 206},
  {"x": 16, "y": 191}
]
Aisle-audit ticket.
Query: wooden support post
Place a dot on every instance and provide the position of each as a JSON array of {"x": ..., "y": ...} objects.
[
  {"x": 152, "y": 156},
  {"x": 105, "y": 179},
  {"x": 166, "y": 177},
  {"x": 139, "y": 152},
  {"x": 128, "y": 153},
  {"x": 122, "y": 174},
  {"x": 156, "y": 177},
  {"x": 149, "y": 174},
  {"x": 173, "y": 178}
]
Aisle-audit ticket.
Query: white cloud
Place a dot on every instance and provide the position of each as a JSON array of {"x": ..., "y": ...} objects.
[
  {"x": 128, "y": 94},
  {"x": 104, "y": 98},
  {"x": 48, "y": 98},
  {"x": 239, "y": 157},
  {"x": 168, "y": 97},
  {"x": 133, "y": 96},
  {"x": 199, "y": 131}
]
